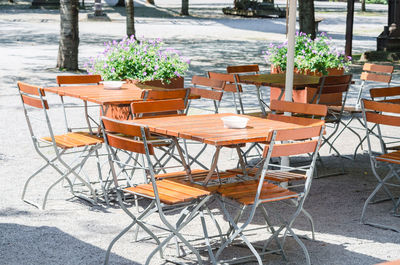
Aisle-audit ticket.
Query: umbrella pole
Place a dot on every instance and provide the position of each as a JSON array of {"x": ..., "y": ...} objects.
[{"x": 290, "y": 60}]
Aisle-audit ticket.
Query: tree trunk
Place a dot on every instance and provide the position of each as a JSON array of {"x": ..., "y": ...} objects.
[
  {"x": 69, "y": 35},
  {"x": 130, "y": 18},
  {"x": 307, "y": 17},
  {"x": 363, "y": 8},
  {"x": 185, "y": 8}
]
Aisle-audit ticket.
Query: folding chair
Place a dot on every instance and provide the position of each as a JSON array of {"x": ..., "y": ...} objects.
[
  {"x": 336, "y": 88},
  {"x": 79, "y": 80},
  {"x": 238, "y": 70},
  {"x": 299, "y": 112},
  {"x": 82, "y": 144},
  {"x": 229, "y": 85},
  {"x": 256, "y": 194},
  {"x": 382, "y": 114},
  {"x": 372, "y": 73},
  {"x": 163, "y": 193}
]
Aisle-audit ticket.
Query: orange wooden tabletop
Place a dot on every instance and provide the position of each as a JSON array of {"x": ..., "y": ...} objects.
[
  {"x": 278, "y": 80},
  {"x": 97, "y": 93},
  {"x": 209, "y": 128}
]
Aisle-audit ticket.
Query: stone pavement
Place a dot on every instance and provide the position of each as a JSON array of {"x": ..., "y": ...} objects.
[{"x": 73, "y": 232}]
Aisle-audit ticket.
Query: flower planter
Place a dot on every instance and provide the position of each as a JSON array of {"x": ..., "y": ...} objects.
[
  {"x": 122, "y": 111},
  {"x": 306, "y": 95}
]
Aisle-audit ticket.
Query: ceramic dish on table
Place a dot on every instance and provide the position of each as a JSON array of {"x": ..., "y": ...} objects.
[
  {"x": 112, "y": 84},
  {"x": 235, "y": 122}
]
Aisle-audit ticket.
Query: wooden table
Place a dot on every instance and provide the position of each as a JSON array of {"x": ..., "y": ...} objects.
[
  {"x": 97, "y": 94},
  {"x": 277, "y": 80},
  {"x": 209, "y": 129}
]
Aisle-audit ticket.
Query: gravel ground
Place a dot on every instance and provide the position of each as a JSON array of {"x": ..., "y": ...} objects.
[{"x": 71, "y": 231}]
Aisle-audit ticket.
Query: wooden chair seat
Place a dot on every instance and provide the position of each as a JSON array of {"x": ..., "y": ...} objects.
[
  {"x": 244, "y": 192},
  {"x": 197, "y": 175},
  {"x": 277, "y": 176},
  {"x": 170, "y": 192},
  {"x": 258, "y": 114},
  {"x": 74, "y": 139},
  {"x": 348, "y": 109},
  {"x": 393, "y": 157}
]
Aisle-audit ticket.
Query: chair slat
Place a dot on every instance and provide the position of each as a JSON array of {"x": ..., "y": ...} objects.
[
  {"x": 207, "y": 82},
  {"x": 382, "y": 119},
  {"x": 125, "y": 143},
  {"x": 34, "y": 102},
  {"x": 292, "y": 148},
  {"x": 302, "y": 108},
  {"x": 166, "y": 94},
  {"x": 206, "y": 93},
  {"x": 78, "y": 79},
  {"x": 243, "y": 68},
  {"x": 117, "y": 126},
  {"x": 298, "y": 133},
  {"x": 172, "y": 105},
  {"x": 381, "y": 106},
  {"x": 375, "y": 77},
  {"x": 388, "y": 69},
  {"x": 222, "y": 76},
  {"x": 384, "y": 92}
]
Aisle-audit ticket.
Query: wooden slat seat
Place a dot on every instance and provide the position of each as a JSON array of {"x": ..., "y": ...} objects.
[
  {"x": 393, "y": 157},
  {"x": 74, "y": 139},
  {"x": 170, "y": 192},
  {"x": 244, "y": 192},
  {"x": 277, "y": 176},
  {"x": 198, "y": 175},
  {"x": 348, "y": 109}
]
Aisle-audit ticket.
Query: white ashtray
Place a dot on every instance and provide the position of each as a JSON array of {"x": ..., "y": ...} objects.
[
  {"x": 235, "y": 122},
  {"x": 113, "y": 84}
]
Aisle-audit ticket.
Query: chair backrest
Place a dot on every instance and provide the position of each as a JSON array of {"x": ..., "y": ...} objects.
[
  {"x": 379, "y": 113},
  {"x": 126, "y": 136},
  {"x": 386, "y": 94},
  {"x": 229, "y": 80},
  {"x": 330, "y": 85},
  {"x": 78, "y": 79},
  {"x": 288, "y": 142},
  {"x": 314, "y": 110},
  {"x": 208, "y": 88},
  {"x": 377, "y": 73},
  {"x": 239, "y": 69},
  {"x": 149, "y": 109},
  {"x": 32, "y": 95}
]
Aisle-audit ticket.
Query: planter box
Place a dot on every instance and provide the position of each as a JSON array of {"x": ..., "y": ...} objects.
[
  {"x": 306, "y": 95},
  {"x": 122, "y": 111}
]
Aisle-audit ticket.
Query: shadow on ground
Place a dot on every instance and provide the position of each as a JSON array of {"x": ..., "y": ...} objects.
[{"x": 48, "y": 245}]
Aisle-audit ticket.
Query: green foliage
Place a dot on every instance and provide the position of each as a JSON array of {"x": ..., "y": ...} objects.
[
  {"x": 383, "y": 2},
  {"x": 314, "y": 55},
  {"x": 143, "y": 60}
]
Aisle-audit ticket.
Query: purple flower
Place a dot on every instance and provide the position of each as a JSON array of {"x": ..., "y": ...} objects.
[
  {"x": 144, "y": 73},
  {"x": 156, "y": 67}
]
